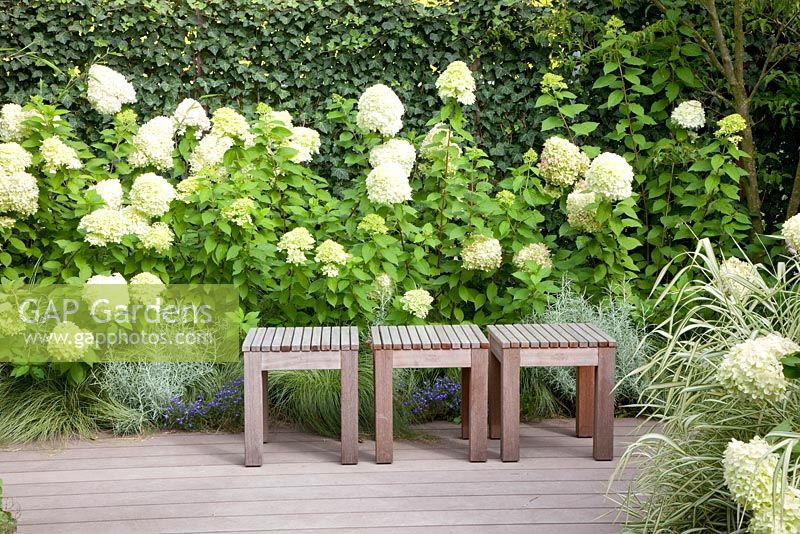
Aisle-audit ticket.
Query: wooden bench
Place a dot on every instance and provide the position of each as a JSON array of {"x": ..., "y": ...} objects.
[
  {"x": 583, "y": 345},
  {"x": 446, "y": 346},
  {"x": 319, "y": 347}
]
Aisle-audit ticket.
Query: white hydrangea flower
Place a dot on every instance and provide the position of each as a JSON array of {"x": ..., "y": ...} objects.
[
  {"x": 190, "y": 114},
  {"x": 57, "y": 154},
  {"x": 282, "y": 117},
  {"x": 379, "y": 110},
  {"x": 748, "y": 470},
  {"x": 295, "y": 243},
  {"x": 690, "y": 115},
  {"x": 332, "y": 256},
  {"x": 209, "y": 152},
  {"x": 154, "y": 144},
  {"x": 417, "y": 302},
  {"x": 68, "y": 342},
  {"x": 437, "y": 139},
  {"x": 781, "y": 517},
  {"x": 19, "y": 192},
  {"x": 582, "y": 209},
  {"x": 228, "y": 123},
  {"x": 239, "y": 212},
  {"x": 104, "y": 226},
  {"x": 145, "y": 288},
  {"x": 482, "y": 254},
  {"x": 457, "y": 82},
  {"x": 753, "y": 369},
  {"x": 382, "y": 288},
  {"x": 397, "y": 151},
  {"x": 14, "y": 158},
  {"x": 305, "y": 141},
  {"x": 7, "y": 222},
  {"x": 739, "y": 277},
  {"x": 388, "y": 184},
  {"x": 538, "y": 253},
  {"x": 108, "y": 90},
  {"x": 791, "y": 233},
  {"x": 110, "y": 191},
  {"x": 157, "y": 237},
  {"x": 11, "y": 122},
  {"x": 106, "y": 293},
  {"x": 189, "y": 186},
  {"x": 151, "y": 194},
  {"x": 562, "y": 163},
  {"x": 611, "y": 176},
  {"x": 137, "y": 221}
]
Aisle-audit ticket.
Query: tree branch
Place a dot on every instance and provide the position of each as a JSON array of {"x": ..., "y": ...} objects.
[
  {"x": 738, "y": 41},
  {"x": 722, "y": 43}
]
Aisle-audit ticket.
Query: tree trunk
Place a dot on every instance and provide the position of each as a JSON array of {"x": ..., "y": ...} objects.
[
  {"x": 794, "y": 200},
  {"x": 752, "y": 195}
]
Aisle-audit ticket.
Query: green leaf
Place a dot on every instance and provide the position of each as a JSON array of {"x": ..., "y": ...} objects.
[
  {"x": 551, "y": 122},
  {"x": 615, "y": 98}
]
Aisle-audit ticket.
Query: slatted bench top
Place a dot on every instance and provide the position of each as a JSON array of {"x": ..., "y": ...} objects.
[
  {"x": 428, "y": 337},
  {"x": 552, "y": 335},
  {"x": 305, "y": 339}
]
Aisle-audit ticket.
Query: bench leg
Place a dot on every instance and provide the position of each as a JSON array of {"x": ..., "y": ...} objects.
[
  {"x": 383, "y": 407},
  {"x": 349, "y": 407},
  {"x": 509, "y": 386},
  {"x": 253, "y": 410},
  {"x": 494, "y": 397},
  {"x": 478, "y": 382},
  {"x": 265, "y": 387},
  {"x": 584, "y": 401},
  {"x": 465, "y": 400},
  {"x": 603, "y": 443}
]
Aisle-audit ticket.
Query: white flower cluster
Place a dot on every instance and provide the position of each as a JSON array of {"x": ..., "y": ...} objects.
[
  {"x": 153, "y": 144},
  {"x": 791, "y": 233},
  {"x": 190, "y": 114},
  {"x": 611, "y": 176},
  {"x": 283, "y": 118},
  {"x": 753, "y": 368},
  {"x": 66, "y": 344},
  {"x": 781, "y": 517},
  {"x": 7, "y": 222},
  {"x": 388, "y": 184},
  {"x": 239, "y": 212},
  {"x": 417, "y": 302},
  {"x": 739, "y": 278},
  {"x": 457, "y": 82},
  {"x": 582, "y": 206},
  {"x": 18, "y": 192},
  {"x": 690, "y": 115},
  {"x": 104, "y": 226},
  {"x": 562, "y": 163},
  {"x": 482, "y": 254},
  {"x": 397, "y": 151},
  {"x": 145, "y": 288},
  {"x": 305, "y": 141},
  {"x": 227, "y": 122},
  {"x": 110, "y": 191},
  {"x": 749, "y": 470},
  {"x": 382, "y": 289},
  {"x": 380, "y": 110},
  {"x": 58, "y": 155},
  {"x": 11, "y": 122},
  {"x": 157, "y": 237},
  {"x": 106, "y": 292},
  {"x": 108, "y": 90},
  {"x": 14, "y": 158},
  {"x": 729, "y": 126},
  {"x": 295, "y": 244},
  {"x": 151, "y": 194},
  {"x": 209, "y": 152},
  {"x": 332, "y": 256},
  {"x": 538, "y": 253},
  {"x": 439, "y": 137}
]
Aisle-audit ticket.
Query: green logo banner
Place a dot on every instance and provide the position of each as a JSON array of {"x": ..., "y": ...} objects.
[{"x": 119, "y": 322}]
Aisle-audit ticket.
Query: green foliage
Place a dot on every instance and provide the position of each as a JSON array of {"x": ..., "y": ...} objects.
[
  {"x": 7, "y": 523},
  {"x": 679, "y": 485}
]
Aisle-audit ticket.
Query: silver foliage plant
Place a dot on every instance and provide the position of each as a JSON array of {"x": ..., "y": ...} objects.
[
  {"x": 147, "y": 388},
  {"x": 615, "y": 316}
]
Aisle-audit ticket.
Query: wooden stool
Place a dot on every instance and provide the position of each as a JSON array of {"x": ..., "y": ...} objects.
[
  {"x": 461, "y": 346},
  {"x": 548, "y": 345},
  {"x": 320, "y": 347}
]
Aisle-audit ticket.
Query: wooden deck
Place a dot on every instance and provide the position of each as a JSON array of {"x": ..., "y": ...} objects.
[{"x": 178, "y": 483}]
